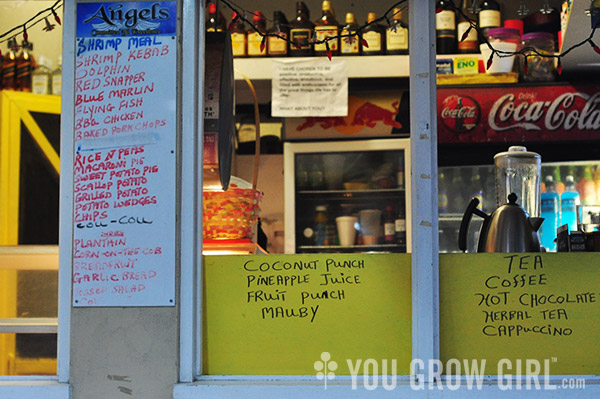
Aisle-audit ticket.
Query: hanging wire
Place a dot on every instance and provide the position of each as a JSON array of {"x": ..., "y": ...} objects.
[{"x": 37, "y": 18}]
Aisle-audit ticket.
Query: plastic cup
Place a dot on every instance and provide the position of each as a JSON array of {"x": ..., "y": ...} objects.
[
  {"x": 370, "y": 225},
  {"x": 499, "y": 64},
  {"x": 346, "y": 229}
]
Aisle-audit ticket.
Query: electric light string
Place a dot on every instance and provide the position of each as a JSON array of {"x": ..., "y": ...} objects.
[{"x": 37, "y": 18}]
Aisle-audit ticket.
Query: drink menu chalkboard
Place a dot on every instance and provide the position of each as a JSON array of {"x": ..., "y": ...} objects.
[
  {"x": 521, "y": 307},
  {"x": 125, "y": 161}
]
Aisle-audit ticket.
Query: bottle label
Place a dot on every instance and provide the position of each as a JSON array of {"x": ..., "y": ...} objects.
[
  {"x": 549, "y": 204},
  {"x": 389, "y": 230},
  {"x": 300, "y": 37},
  {"x": 238, "y": 44},
  {"x": 254, "y": 41},
  {"x": 470, "y": 42},
  {"x": 489, "y": 18},
  {"x": 445, "y": 20},
  {"x": 323, "y": 32},
  {"x": 277, "y": 46},
  {"x": 349, "y": 45},
  {"x": 397, "y": 40},
  {"x": 57, "y": 84},
  {"x": 374, "y": 40},
  {"x": 39, "y": 84},
  {"x": 400, "y": 225}
]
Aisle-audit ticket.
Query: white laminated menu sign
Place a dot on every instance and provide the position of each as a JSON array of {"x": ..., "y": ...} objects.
[
  {"x": 309, "y": 87},
  {"x": 125, "y": 160}
]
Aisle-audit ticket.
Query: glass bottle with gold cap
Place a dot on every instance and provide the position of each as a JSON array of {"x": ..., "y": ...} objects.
[
  {"x": 325, "y": 27},
  {"x": 396, "y": 35},
  {"x": 374, "y": 35},
  {"x": 349, "y": 45}
]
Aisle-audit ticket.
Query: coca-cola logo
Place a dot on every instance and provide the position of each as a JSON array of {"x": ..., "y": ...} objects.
[
  {"x": 460, "y": 114},
  {"x": 563, "y": 113}
]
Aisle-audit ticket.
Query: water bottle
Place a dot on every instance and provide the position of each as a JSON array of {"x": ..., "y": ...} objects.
[
  {"x": 551, "y": 214},
  {"x": 568, "y": 204}
]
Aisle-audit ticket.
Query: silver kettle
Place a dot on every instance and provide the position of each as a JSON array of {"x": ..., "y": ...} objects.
[{"x": 508, "y": 229}]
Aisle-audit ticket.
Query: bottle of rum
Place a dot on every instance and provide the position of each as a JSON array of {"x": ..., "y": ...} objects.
[
  {"x": 278, "y": 46},
  {"x": 445, "y": 27},
  {"x": 301, "y": 32},
  {"x": 238, "y": 36},
  {"x": 349, "y": 45},
  {"x": 255, "y": 36},
  {"x": 25, "y": 65},
  {"x": 396, "y": 36},
  {"x": 9, "y": 66},
  {"x": 470, "y": 43},
  {"x": 374, "y": 35},
  {"x": 327, "y": 26}
]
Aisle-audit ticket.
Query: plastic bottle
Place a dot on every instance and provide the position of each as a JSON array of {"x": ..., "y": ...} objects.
[
  {"x": 568, "y": 204},
  {"x": 551, "y": 214},
  {"x": 320, "y": 226}
]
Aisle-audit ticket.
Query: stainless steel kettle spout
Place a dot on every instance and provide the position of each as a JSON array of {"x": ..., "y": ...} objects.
[{"x": 536, "y": 223}]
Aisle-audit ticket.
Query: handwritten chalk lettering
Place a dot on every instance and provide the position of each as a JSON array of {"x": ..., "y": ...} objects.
[
  {"x": 98, "y": 60},
  {"x": 278, "y": 266},
  {"x": 339, "y": 295},
  {"x": 99, "y": 242},
  {"x": 283, "y": 313},
  {"x": 125, "y": 80},
  {"x": 127, "y": 116},
  {"x": 517, "y": 281},
  {"x": 88, "y": 98},
  {"x": 132, "y": 192},
  {"x": 133, "y": 220},
  {"x": 92, "y": 225},
  {"x": 131, "y": 91},
  {"x": 137, "y": 276},
  {"x": 505, "y": 315},
  {"x": 87, "y": 84},
  {"x": 550, "y": 314},
  {"x": 89, "y": 176},
  {"x": 492, "y": 299},
  {"x": 105, "y": 265},
  {"x": 522, "y": 262},
  {"x": 93, "y": 44},
  {"x": 131, "y": 181},
  {"x": 79, "y": 278},
  {"x": 104, "y": 70},
  {"x": 126, "y": 128},
  {"x": 333, "y": 279},
  {"x": 89, "y": 217},
  {"x": 279, "y": 280},
  {"x": 97, "y": 185},
  {"x": 263, "y": 296},
  {"x": 518, "y": 330},
  {"x": 121, "y": 252},
  {"x": 131, "y": 103},
  {"x": 136, "y": 42},
  {"x": 150, "y": 125},
  {"x": 128, "y": 289},
  {"x": 147, "y": 53},
  {"x": 143, "y": 201},
  {"x": 86, "y": 254},
  {"x": 150, "y": 169},
  {"x": 535, "y": 300},
  {"x": 349, "y": 264}
]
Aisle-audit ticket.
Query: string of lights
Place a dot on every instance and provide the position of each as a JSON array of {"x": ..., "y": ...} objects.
[{"x": 36, "y": 19}]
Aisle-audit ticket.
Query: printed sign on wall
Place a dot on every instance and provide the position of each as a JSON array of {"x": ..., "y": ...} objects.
[{"x": 125, "y": 161}]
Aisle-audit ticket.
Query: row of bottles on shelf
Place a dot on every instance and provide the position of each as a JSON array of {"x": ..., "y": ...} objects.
[
  {"x": 457, "y": 185},
  {"x": 371, "y": 226},
  {"x": 20, "y": 71},
  {"x": 302, "y": 36}
]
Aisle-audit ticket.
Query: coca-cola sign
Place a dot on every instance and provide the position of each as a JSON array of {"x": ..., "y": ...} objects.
[{"x": 518, "y": 113}]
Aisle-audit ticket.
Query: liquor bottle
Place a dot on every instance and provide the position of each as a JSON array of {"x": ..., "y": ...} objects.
[
  {"x": 568, "y": 204},
  {"x": 549, "y": 204},
  {"x": 389, "y": 225},
  {"x": 40, "y": 77},
  {"x": 470, "y": 43},
  {"x": 9, "y": 67},
  {"x": 25, "y": 65},
  {"x": 239, "y": 46},
  {"x": 301, "y": 31},
  {"x": 327, "y": 26},
  {"x": 396, "y": 36},
  {"x": 349, "y": 45},
  {"x": 56, "y": 76},
  {"x": 445, "y": 27},
  {"x": 400, "y": 173},
  {"x": 256, "y": 36},
  {"x": 214, "y": 22},
  {"x": 400, "y": 227},
  {"x": 489, "y": 16},
  {"x": 374, "y": 35},
  {"x": 276, "y": 46}
]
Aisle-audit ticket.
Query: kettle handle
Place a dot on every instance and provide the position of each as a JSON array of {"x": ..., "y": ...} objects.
[{"x": 466, "y": 220}]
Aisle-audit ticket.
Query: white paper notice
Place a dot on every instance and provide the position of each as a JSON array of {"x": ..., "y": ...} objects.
[
  {"x": 125, "y": 156},
  {"x": 309, "y": 87}
]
